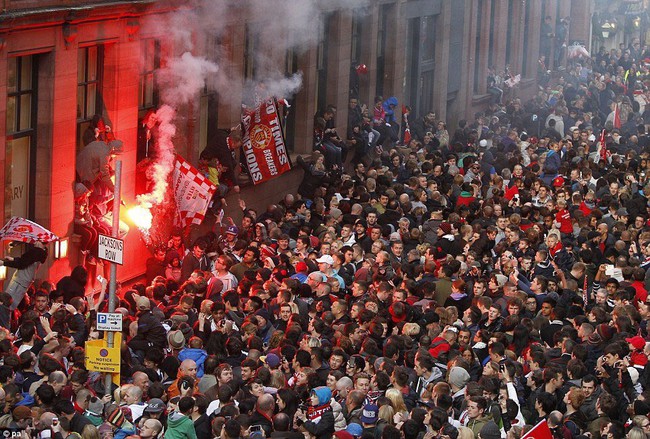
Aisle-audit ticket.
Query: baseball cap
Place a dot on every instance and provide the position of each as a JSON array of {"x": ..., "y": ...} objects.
[
  {"x": 155, "y": 406},
  {"x": 326, "y": 259},
  {"x": 637, "y": 341},
  {"x": 369, "y": 414},
  {"x": 233, "y": 230}
]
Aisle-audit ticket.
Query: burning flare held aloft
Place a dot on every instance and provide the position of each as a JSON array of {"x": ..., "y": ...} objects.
[{"x": 141, "y": 217}]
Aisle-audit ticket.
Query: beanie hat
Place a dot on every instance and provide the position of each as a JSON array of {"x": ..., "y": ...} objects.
[
  {"x": 445, "y": 227},
  {"x": 264, "y": 313},
  {"x": 116, "y": 417},
  {"x": 458, "y": 377},
  {"x": 594, "y": 339},
  {"x": 501, "y": 279},
  {"x": 490, "y": 431},
  {"x": 96, "y": 407}
]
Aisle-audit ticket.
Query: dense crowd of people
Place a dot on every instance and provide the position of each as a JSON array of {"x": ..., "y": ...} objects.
[{"x": 436, "y": 284}]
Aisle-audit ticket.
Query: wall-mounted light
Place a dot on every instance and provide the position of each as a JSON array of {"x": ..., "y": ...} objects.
[
  {"x": 608, "y": 28},
  {"x": 132, "y": 27},
  {"x": 3, "y": 272},
  {"x": 69, "y": 34},
  {"x": 61, "y": 248}
]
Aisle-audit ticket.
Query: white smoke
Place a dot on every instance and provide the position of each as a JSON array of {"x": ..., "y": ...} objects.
[{"x": 275, "y": 26}]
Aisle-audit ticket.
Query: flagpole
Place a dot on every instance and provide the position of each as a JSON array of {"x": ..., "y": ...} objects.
[{"x": 112, "y": 299}]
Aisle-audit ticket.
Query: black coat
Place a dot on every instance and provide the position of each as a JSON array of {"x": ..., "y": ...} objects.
[
  {"x": 311, "y": 180},
  {"x": 203, "y": 427},
  {"x": 324, "y": 428},
  {"x": 151, "y": 333}
]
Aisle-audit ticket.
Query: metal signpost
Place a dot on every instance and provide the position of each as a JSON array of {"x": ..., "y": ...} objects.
[{"x": 112, "y": 300}]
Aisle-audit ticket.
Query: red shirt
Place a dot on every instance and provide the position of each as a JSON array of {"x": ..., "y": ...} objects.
[{"x": 564, "y": 218}]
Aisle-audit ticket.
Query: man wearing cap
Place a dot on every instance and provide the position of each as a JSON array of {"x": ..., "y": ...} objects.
[
  {"x": 151, "y": 333},
  {"x": 325, "y": 264},
  {"x": 369, "y": 417},
  {"x": 228, "y": 239}
]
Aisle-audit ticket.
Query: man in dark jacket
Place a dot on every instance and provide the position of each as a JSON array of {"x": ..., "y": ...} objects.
[
  {"x": 263, "y": 413},
  {"x": 195, "y": 260},
  {"x": 151, "y": 333}
]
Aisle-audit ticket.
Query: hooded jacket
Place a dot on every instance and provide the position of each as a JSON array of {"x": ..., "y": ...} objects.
[
  {"x": 476, "y": 424},
  {"x": 198, "y": 355},
  {"x": 320, "y": 419},
  {"x": 180, "y": 426}
]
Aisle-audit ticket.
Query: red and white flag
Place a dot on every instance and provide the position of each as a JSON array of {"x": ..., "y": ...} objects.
[
  {"x": 24, "y": 230},
  {"x": 539, "y": 431},
  {"x": 192, "y": 191},
  {"x": 263, "y": 142}
]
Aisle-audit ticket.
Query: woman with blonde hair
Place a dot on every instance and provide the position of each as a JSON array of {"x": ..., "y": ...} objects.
[
  {"x": 386, "y": 415},
  {"x": 465, "y": 433},
  {"x": 636, "y": 433},
  {"x": 397, "y": 401},
  {"x": 278, "y": 380}
]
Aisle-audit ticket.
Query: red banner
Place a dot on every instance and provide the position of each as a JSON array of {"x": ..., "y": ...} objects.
[
  {"x": 263, "y": 142},
  {"x": 539, "y": 431}
]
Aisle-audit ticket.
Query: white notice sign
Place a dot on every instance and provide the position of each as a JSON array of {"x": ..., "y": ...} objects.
[
  {"x": 109, "y": 321},
  {"x": 111, "y": 249}
]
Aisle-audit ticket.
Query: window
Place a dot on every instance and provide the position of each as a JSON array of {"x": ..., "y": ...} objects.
[
  {"x": 477, "y": 49},
  {"x": 249, "y": 53},
  {"x": 509, "y": 32},
  {"x": 21, "y": 135},
  {"x": 524, "y": 61},
  {"x": 381, "y": 48},
  {"x": 148, "y": 93},
  {"x": 492, "y": 36},
  {"x": 89, "y": 84},
  {"x": 428, "y": 38},
  {"x": 321, "y": 62},
  {"x": 356, "y": 37},
  {"x": 291, "y": 67}
]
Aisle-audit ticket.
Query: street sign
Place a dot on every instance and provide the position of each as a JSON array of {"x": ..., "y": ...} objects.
[
  {"x": 111, "y": 249},
  {"x": 109, "y": 321},
  {"x": 101, "y": 358}
]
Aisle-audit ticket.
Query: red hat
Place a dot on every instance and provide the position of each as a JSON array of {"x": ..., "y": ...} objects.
[
  {"x": 343, "y": 435},
  {"x": 637, "y": 341},
  {"x": 301, "y": 267},
  {"x": 267, "y": 251},
  {"x": 446, "y": 227},
  {"x": 558, "y": 181}
]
